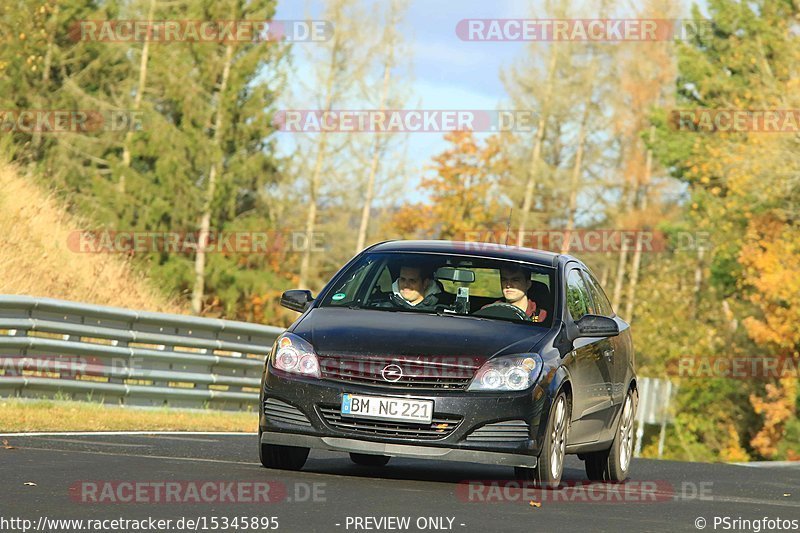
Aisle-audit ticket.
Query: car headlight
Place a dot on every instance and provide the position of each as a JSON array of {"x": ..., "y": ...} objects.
[
  {"x": 509, "y": 373},
  {"x": 296, "y": 356}
]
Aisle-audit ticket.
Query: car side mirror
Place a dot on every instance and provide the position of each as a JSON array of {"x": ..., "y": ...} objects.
[
  {"x": 595, "y": 326},
  {"x": 296, "y": 300}
]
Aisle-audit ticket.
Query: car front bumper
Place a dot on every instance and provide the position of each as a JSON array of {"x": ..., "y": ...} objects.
[
  {"x": 305, "y": 408},
  {"x": 415, "y": 451}
]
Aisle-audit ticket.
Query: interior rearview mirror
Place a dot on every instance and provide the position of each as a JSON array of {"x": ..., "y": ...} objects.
[{"x": 455, "y": 274}]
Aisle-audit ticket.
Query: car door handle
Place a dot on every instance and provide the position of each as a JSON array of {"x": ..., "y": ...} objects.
[{"x": 608, "y": 354}]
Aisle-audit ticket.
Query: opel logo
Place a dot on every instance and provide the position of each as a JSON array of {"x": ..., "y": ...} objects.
[{"x": 392, "y": 373}]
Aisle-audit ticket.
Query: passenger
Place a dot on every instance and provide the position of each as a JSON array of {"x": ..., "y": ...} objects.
[
  {"x": 415, "y": 288},
  {"x": 515, "y": 282}
]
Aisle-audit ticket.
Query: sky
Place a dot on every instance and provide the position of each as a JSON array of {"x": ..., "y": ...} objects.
[{"x": 448, "y": 73}]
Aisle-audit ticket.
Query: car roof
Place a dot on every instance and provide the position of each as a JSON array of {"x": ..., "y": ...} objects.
[{"x": 476, "y": 249}]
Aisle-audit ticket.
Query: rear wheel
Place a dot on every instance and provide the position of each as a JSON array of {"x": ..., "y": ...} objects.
[
  {"x": 614, "y": 464},
  {"x": 550, "y": 465},
  {"x": 281, "y": 457},
  {"x": 365, "y": 459}
]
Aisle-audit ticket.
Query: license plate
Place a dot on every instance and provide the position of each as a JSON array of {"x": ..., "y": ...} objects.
[{"x": 382, "y": 408}]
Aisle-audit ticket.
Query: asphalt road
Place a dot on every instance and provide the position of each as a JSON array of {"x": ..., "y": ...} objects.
[{"x": 211, "y": 478}]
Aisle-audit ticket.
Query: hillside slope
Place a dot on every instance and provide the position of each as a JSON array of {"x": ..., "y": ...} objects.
[{"x": 36, "y": 260}]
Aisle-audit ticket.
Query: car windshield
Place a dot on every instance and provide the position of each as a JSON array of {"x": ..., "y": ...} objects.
[{"x": 447, "y": 285}]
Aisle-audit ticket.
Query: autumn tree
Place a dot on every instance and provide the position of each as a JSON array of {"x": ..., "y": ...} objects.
[
  {"x": 464, "y": 191},
  {"x": 391, "y": 56},
  {"x": 744, "y": 193}
]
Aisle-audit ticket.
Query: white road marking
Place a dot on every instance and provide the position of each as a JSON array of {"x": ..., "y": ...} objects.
[
  {"x": 770, "y": 464},
  {"x": 192, "y": 459},
  {"x": 95, "y": 443},
  {"x": 164, "y": 437},
  {"x": 122, "y": 433}
]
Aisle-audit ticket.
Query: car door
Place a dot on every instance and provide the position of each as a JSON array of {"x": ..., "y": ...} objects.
[
  {"x": 614, "y": 349},
  {"x": 588, "y": 367}
]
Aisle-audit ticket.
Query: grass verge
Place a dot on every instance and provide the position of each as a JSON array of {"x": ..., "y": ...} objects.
[{"x": 48, "y": 415}]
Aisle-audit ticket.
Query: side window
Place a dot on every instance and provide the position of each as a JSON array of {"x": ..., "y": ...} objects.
[
  {"x": 384, "y": 281},
  {"x": 601, "y": 303},
  {"x": 578, "y": 299},
  {"x": 345, "y": 292}
]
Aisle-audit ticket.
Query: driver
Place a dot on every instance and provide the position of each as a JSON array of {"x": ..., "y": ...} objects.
[
  {"x": 515, "y": 282},
  {"x": 415, "y": 288}
]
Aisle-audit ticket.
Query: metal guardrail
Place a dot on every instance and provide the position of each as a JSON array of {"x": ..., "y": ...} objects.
[{"x": 57, "y": 348}]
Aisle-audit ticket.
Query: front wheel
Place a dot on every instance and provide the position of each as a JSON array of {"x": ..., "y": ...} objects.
[
  {"x": 614, "y": 464},
  {"x": 550, "y": 465},
  {"x": 281, "y": 457}
]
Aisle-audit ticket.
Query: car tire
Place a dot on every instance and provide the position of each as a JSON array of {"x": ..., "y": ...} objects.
[
  {"x": 550, "y": 465},
  {"x": 281, "y": 457},
  {"x": 614, "y": 464},
  {"x": 365, "y": 459}
]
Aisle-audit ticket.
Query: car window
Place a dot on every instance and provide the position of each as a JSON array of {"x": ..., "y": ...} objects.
[
  {"x": 487, "y": 283},
  {"x": 346, "y": 292},
  {"x": 384, "y": 281},
  {"x": 578, "y": 300},
  {"x": 541, "y": 278},
  {"x": 367, "y": 285},
  {"x": 601, "y": 303}
]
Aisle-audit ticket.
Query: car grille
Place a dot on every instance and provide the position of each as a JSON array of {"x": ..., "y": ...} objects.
[
  {"x": 440, "y": 427},
  {"x": 278, "y": 411},
  {"x": 508, "y": 431},
  {"x": 417, "y": 374}
]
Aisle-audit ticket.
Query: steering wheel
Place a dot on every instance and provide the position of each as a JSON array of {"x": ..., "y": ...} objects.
[{"x": 502, "y": 310}]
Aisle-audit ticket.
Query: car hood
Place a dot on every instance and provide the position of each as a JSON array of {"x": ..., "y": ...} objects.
[{"x": 393, "y": 333}]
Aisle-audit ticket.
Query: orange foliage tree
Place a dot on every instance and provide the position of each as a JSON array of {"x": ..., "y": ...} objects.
[
  {"x": 771, "y": 261},
  {"x": 464, "y": 191}
]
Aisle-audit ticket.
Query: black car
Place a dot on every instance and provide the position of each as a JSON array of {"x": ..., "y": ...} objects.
[{"x": 454, "y": 351}]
